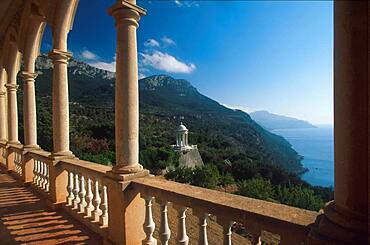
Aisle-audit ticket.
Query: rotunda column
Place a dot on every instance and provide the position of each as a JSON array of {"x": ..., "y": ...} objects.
[{"x": 127, "y": 15}]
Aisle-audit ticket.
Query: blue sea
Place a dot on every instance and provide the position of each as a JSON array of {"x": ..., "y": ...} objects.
[{"x": 316, "y": 145}]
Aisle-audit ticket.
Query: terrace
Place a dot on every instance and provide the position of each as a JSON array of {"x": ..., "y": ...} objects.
[{"x": 53, "y": 197}]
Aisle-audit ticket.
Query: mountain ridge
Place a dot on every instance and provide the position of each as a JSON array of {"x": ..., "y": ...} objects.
[
  {"x": 272, "y": 121},
  {"x": 220, "y": 133}
]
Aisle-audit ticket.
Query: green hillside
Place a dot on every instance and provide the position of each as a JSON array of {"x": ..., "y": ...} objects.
[
  {"x": 234, "y": 148},
  {"x": 221, "y": 133}
]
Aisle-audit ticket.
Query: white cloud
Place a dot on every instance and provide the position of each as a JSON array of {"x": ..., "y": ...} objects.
[
  {"x": 86, "y": 54},
  {"x": 151, "y": 43},
  {"x": 186, "y": 3},
  {"x": 238, "y": 107},
  {"x": 168, "y": 41},
  {"x": 104, "y": 65},
  {"x": 141, "y": 75},
  {"x": 166, "y": 62}
]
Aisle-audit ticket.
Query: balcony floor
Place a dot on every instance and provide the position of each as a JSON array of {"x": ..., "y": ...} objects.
[{"x": 26, "y": 219}]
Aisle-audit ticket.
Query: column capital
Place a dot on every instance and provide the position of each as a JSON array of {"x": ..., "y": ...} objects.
[
  {"x": 124, "y": 11},
  {"x": 28, "y": 76},
  {"x": 59, "y": 56},
  {"x": 11, "y": 86},
  {"x": 2, "y": 94}
]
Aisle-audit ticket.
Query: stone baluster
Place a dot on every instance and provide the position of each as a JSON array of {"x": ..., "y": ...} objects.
[
  {"x": 82, "y": 195},
  {"x": 164, "y": 230},
  {"x": 227, "y": 225},
  {"x": 46, "y": 177},
  {"x": 182, "y": 237},
  {"x": 70, "y": 196},
  {"x": 34, "y": 171},
  {"x": 42, "y": 174},
  {"x": 41, "y": 179},
  {"x": 97, "y": 211},
  {"x": 37, "y": 174},
  {"x": 149, "y": 225},
  {"x": 104, "y": 207},
  {"x": 19, "y": 166},
  {"x": 255, "y": 235},
  {"x": 256, "y": 239},
  {"x": 89, "y": 198},
  {"x": 76, "y": 191},
  {"x": 202, "y": 221}
]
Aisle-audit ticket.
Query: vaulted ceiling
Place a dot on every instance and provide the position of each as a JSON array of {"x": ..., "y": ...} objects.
[{"x": 8, "y": 8}]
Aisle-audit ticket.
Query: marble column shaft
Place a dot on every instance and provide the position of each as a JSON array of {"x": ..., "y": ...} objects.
[
  {"x": 127, "y": 16},
  {"x": 60, "y": 102},
  {"x": 3, "y": 120},
  {"x": 29, "y": 109}
]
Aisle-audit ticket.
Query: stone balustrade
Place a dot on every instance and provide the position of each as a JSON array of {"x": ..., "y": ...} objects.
[
  {"x": 3, "y": 153},
  {"x": 86, "y": 199},
  {"x": 17, "y": 160},
  {"x": 291, "y": 224},
  {"x": 16, "y": 154},
  {"x": 40, "y": 170}
]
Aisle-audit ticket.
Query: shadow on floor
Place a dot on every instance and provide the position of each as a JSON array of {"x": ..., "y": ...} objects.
[{"x": 25, "y": 219}]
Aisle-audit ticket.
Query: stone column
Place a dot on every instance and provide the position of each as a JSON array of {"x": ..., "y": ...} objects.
[
  {"x": 3, "y": 122},
  {"x": 29, "y": 110},
  {"x": 127, "y": 15},
  {"x": 12, "y": 113},
  {"x": 60, "y": 103},
  {"x": 12, "y": 95},
  {"x": 345, "y": 218},
  {"x": 11, "y": 86}
]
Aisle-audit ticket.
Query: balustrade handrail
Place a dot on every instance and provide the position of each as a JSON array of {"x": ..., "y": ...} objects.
[
  {"x": 40, "y": 155},
  {"x": 16, "y": 147},
  {"x": 276, "y": 218},
  {"x": 89, "y": 168}
]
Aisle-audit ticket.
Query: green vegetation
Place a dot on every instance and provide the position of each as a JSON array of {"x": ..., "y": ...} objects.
[
  {"x": 300, "y": 194},
  {"x": 234, "y": 148}
]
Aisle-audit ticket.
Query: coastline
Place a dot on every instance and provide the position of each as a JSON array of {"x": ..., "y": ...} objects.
[{"x": 316, "y": 147}]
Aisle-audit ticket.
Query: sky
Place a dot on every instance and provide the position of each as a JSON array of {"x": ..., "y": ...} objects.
[{"x": 275, "y": 56}]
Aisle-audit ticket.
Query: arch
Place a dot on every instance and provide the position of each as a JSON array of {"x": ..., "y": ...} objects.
[
  {"x": 32, "y": 31},
  {"x": 32, "y": 24},
  {"x": 11, "y": 60},
  {"x": 62, "y": 22}
]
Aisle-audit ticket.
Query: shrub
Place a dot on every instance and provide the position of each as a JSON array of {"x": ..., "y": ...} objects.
[
  {"x": 299, "y": 196},
  {"x": 206, "y": 176},
  {"x": 256, "y": 188}
]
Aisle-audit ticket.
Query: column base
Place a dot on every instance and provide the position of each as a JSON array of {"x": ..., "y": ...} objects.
[
  {"x": 14, "y": 143},
  {"x": 31, "y": 148},
  {"x": 127, "y": 176},
  {"x": 338, "y": 226},
  {"x": 130, "y": 169},
  {"x": 62, "y": 155}
]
